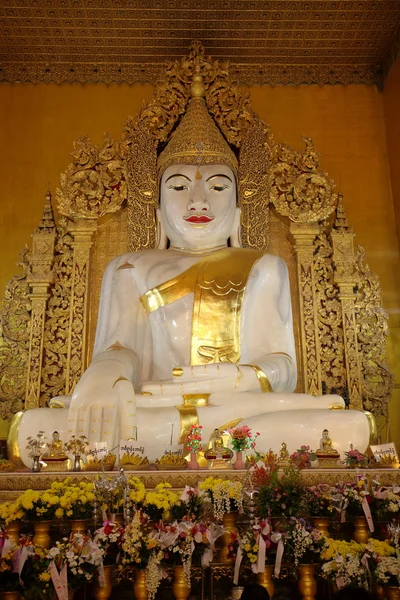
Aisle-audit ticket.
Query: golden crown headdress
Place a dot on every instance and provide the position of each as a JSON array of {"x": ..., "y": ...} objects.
[{"x": 197, "y": 139}]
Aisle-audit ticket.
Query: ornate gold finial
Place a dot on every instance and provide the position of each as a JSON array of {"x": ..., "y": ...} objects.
[
  {"x": 47, "y": 222},
  {"x": 340, "y": 223},
  {"x": 197, "y": 139}
]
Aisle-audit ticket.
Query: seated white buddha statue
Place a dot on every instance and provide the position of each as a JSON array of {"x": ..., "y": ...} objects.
[{"x": 199, "y": 330}]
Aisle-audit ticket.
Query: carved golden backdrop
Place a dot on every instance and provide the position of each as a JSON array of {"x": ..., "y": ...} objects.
[
  {"x": 269, "y": 41},
  {"x": 341, "y": 326}
]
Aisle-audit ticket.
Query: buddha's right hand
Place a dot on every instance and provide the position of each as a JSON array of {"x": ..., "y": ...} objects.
[{"x": 103, "y": 403}]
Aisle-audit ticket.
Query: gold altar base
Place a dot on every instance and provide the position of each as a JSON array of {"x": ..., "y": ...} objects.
[{"x": 13, "y": 484}]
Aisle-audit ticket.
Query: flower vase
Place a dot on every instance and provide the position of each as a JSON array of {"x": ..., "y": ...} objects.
[
  {"x": 378, "y": 591},
  {"x": 180, "y": 589},
  {"x": 392, "y": 592},
  {"x": 229, "y": 525},
  {"x": 322, "y": 524},
  {"x": 139, "y": 585},
  {"x": 361, "y": 532},
  {"x": 307, "y": 583},
  {"x": 239, "y": 462},
  {"x": 76, "y": 465},
  {"x": 265, "y": 579},
  {"x": 192, "y": 463},
  {"x": 13, "y": 531},
  {"x": 79, "y": 526},
  {"x": 103, "y": 592},
  {"x": 42, "y": 534},
  {"x": 36, "y": 466}
]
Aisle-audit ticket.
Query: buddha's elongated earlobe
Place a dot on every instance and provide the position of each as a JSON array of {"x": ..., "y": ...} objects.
[
  {"x": 161, "y": 238},
  {"x": 234, "y": 238}
]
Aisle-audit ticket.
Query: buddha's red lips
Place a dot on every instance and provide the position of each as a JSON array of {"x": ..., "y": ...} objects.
[{"x": 199, "y": 219}]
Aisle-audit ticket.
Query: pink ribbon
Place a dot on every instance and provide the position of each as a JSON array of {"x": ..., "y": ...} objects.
[
  {"x": 60, "y": 580},
  {"x": 261, "y": 554}
]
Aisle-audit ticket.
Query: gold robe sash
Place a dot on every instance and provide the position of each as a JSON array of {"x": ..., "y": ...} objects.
[{"x": 218, "y": 282}]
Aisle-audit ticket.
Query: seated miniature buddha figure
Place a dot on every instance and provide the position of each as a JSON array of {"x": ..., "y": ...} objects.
[{"x": 199, "y": 329}]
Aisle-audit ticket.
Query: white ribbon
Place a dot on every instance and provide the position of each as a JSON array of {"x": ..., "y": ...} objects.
[
  {"x": 238, "y": 562},
  {"x": 261, "y": 554},
  {"x": 277, "y": 538},
  {"x": 8, "y": 544},
  {"x": 60, "y": 580},
  {"x": 367, "y": 513}
]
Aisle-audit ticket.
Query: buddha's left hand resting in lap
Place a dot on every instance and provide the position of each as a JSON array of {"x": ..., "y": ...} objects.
[{"x": 200, "y": 322}]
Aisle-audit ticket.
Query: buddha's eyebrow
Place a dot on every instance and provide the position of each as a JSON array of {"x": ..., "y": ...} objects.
[
  {"x": 177, "y": 175},
  {"x": 219, "y": 175}
]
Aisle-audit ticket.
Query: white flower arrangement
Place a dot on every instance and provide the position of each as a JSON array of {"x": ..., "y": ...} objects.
[{"x": 388, "y": 570}]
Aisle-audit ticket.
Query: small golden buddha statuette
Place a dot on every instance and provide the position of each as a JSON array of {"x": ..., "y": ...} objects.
[
  {"x": 327, "y": 455},
  {"x": 218, "y": 456},
  {"x": 284, "y": 457},
  {"x": 55, "y": 457}
]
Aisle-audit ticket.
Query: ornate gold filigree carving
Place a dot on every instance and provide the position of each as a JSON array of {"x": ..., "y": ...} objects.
[
  {"x": 329, "y": 315},
  {"x": 95, "y": 183},
  {"x": 14, "y": 341},
  {"x": 372, "y": 332},
  {"x": 300, "y": 190},
  {"x": 40, "y": 278},
  {"x": 253, "y": 184},
  {"x": 304, "y": 237},
  {"x": 55, "y": 338}
]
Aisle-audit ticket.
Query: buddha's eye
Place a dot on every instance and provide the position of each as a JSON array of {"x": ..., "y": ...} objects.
[
  {"x": 178, "y": 188},
  {"x": 219, "y": 188}
]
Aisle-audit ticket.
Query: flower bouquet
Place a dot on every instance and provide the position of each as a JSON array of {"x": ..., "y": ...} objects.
[
  {"x": 387, "y": 571},
  {"x": 282, "y": 496},
  {"x": 342, "y": 562},
  {"x": 35, "y": 575},
  {"x": 158, "y": 503},
  {"x": 387, "y": 503},
  {"x": 109, "y": 539},
  {"x": 354, "y": 459},
  {"x": 225, "y": 495},
  {"x": 190, "y": 505},
  {"x": 252, "y": 545},
  {"x": 141, "y": 552},
  {"x": 39, "y": 506},
  {"x": 303, "y": 457},
  {"x": 73, "y": 562},
  {"x": 357, "y": 499},
  {"x": 9, "y": 580},
  {"x": 318, "y": 499},
  {"x": 137, "y": 491},
  {"x": 304, "y": 542},
  {"x": 176, "y": 541},
  {"x": 75, "y": 500},
  {"x": 10, "y": 512}
]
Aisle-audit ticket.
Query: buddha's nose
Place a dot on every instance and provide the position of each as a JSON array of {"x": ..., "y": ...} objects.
[{"x": 198, "y": 200}]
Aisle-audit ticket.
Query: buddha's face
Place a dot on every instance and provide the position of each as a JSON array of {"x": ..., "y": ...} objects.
[{"x": 198, "y": 205}]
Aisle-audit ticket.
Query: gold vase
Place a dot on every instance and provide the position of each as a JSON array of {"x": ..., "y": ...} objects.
[
  {"x": 42, "y": 534},
  {"x": 322, "y": 524},
  {"x": 378, "y": 591},
  {"x": 139, "y": 585},
  {"x": 103, "y": 592},
  {"x": 392, "y": 592},
  {"x": 265, "y": 579},
  {"x": 79, "y": 526},
  {"x": 307, "y": 583},
  {"x": 11, "y": 595},
  {"x": 361, "y": 532},
  {"x": 180, "y": 589},
  {"x": 229, "y": 525},
  {"x": 13, "y": 531}
]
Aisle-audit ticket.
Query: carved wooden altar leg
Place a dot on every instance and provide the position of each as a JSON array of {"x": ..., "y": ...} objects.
[
  {"x": 82, "y": 231},
  {"x": 40, "y": 278},
  {"x": 304, "y": 235},
  {"x": 346, "y": 277}
]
